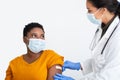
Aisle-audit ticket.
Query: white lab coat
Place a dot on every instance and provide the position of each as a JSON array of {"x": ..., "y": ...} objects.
[{"x": 105, "y": 66}]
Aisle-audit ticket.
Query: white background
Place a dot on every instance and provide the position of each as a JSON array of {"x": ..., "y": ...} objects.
[{"x": 67, "y": 28}]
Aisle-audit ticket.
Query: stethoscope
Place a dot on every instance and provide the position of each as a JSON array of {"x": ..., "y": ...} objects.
[{"x": 109, "y": 37}]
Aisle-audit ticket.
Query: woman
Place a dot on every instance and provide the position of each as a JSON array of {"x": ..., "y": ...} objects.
[
  {"x": 105, "y": 47},
  {"x": 37, "y": 63}
]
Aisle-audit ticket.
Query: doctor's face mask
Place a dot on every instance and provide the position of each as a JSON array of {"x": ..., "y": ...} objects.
[
  {"x": 93, "y": 19},
  {"x": 94, "y": 14}
]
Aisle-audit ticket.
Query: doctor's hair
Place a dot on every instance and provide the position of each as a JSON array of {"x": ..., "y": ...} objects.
[
  {"x": 113, "y": 6},
  {"x": 30, "y": 26}
]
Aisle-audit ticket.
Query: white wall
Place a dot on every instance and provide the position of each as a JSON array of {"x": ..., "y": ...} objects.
[{"x": 68, "y": 31}]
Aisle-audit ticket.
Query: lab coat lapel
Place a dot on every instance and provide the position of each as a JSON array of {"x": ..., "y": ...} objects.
[
  {"x": 96, "y": 38},
  {"x": 99, "y": 46}
]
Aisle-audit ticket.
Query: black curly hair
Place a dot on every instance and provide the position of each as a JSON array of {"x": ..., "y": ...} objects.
[{"x": 30, "y": 26}]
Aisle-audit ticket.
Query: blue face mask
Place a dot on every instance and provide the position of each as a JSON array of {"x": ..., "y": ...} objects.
[
  {"x": 92, "y": 18},
  {"x": 36, "y": 45}
]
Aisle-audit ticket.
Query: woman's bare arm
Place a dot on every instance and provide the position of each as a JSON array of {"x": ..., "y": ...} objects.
[{"x": 53, "y": 70}]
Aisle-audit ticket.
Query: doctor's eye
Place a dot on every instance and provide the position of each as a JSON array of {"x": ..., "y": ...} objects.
[{"x": 90, "y": 11}]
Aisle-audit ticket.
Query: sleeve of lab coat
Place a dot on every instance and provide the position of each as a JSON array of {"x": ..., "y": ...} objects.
[
  {"x": 87, "y": 66},
  {"x": 110, "y": 72},
  {"x": 111, "y": 69}
]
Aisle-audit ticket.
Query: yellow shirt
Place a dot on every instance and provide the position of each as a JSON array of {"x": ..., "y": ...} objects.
[{"x": 21, "y": 70}]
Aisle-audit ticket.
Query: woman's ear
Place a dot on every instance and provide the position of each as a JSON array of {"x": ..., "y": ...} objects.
[{"x": 25, "y": 40}]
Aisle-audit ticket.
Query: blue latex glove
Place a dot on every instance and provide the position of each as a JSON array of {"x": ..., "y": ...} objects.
[
  {"x": 62, "y": 77},
  {"x": 71, "y": 65}
]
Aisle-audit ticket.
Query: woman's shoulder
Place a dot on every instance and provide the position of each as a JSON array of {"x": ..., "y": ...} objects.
[
  {"x": 52, "y": 58},
  {"x": 50, "y": 52},
  {"x": 16, "y": 59}
]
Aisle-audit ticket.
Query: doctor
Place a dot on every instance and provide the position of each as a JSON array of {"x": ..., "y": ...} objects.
[{"x": 105, "y": 47}]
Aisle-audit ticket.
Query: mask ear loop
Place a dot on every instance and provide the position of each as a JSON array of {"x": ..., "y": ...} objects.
[
  {"x": 96, "y": 11},
  {"x": 101, "y": 16}
]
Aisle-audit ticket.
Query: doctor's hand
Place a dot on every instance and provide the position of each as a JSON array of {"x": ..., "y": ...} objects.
[
  {"x": 62, "y": 77},
  {"x": 71, "y": 65}
]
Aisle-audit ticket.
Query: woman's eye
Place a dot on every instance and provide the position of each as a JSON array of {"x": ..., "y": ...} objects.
[
  {"x": 43, "y": 36},
  {"x": 34, "y": 36}
]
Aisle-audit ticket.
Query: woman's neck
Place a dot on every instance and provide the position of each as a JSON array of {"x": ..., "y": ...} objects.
[
  {"x": 33, "y": 55},
  {"x": 108, "y": 18}
]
